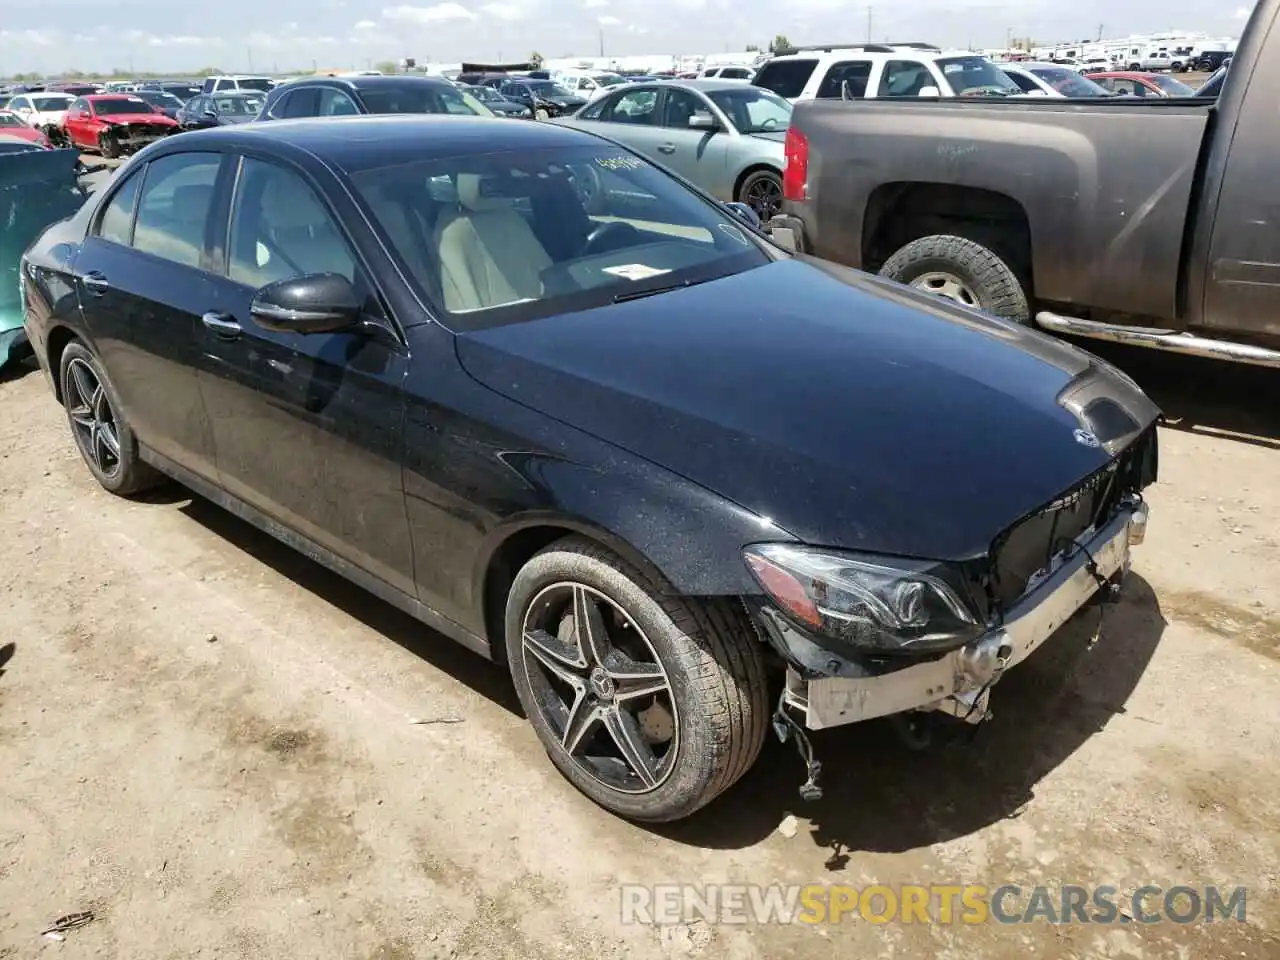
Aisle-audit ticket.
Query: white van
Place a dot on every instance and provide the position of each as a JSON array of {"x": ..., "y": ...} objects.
[{"x": 587, "y": 83}]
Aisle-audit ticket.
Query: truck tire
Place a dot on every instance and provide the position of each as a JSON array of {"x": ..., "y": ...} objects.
[
  {"x": 658, "y": 706},
  {"x": 963, "y": 271}
]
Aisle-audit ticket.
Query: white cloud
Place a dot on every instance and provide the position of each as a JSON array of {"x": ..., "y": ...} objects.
[
  {"x": 366, "y": 25},
  {"x": 33, "y": 38},
  {"x": 508, "y": 12},
  {"x": 607, "y": 21},
  {"x": 595, "y": 4},
  {"x": 1243, "y": 13},
  {"x": 440, "y": 13}
]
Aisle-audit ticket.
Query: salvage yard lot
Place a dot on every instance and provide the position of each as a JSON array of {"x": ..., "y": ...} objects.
[{"x": 210, "y": 743}]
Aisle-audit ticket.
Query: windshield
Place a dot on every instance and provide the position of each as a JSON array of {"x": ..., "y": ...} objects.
[
  {"x": 51, "y": 103},
  {"x": 114, "y": 105},
  {"x": 608, "y": 79},
  {"x": 1069, "y": 83},
  {"x": 181, "y": 92},
  {"x": 536, "y": 233},
  {"x": 247, "y": 106},
  {"x": 422, "y": 98},
  {"x": 155, "y": 98},
  {"x": 753, "y": 109},
  {"x": 254, "y": 83},
  {"x": 548, "y": 88},
  {"x": 976, "y": 77},
  {"x": 1174, "y": 88}
]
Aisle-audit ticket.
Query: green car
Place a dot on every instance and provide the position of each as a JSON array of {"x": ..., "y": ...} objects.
[{"x": 38, "y": 187}]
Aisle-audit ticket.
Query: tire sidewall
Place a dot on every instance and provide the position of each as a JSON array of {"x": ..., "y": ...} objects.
[
  {"x": 684, "y": 788},
  {"x": 1000, "y": 293},
  {"x": 127, "y": 476},
  {"x": 755, "y": 178}
]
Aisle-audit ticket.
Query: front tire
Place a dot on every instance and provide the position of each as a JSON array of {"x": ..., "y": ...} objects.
[
  {"x": 101, "y": 433},
  {"x": 108, "y": 145},
  {"x": 652, "y": 705},
  {"x": 963, "y": 271}
]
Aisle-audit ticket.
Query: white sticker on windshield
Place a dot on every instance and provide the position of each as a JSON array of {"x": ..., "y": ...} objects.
[{"x": 634, "y": 271}]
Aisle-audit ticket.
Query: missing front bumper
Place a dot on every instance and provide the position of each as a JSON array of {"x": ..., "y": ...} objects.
[{"x": 959, "y": 683}]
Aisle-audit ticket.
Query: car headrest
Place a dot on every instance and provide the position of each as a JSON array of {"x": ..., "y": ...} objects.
[{"x": 478, "y": 192}]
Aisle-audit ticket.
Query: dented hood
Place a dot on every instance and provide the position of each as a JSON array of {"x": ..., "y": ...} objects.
[{"x": 850, "y": 411}]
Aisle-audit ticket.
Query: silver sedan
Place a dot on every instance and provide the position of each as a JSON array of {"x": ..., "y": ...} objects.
[{"x": 725, "y": 136}]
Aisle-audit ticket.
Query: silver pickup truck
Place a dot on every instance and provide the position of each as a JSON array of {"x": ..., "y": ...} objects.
[{"x": 1154, "y": 223}]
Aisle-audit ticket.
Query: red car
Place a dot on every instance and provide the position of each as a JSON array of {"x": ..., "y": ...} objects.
[
  {"x": 12, "y": 125},
  {"x": 1142, "y": 84},
  {"x": 114, "y": 124}
]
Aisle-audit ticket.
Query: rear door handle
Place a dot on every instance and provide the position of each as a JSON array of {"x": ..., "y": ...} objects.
[
  {"x": 222, "y": 325},
  {"x": 667, "y": 148},
  {"x": 95, "y": 283}
]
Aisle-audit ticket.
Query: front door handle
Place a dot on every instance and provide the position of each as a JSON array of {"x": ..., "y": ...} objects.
[
  {"x": 667, "y": 148},
  {"x": 222, "y": 325},
  {"x": 95, "y": 283}
]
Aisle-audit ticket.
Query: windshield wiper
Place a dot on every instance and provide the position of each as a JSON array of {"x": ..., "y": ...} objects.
[{"x": 654, "y": 291}]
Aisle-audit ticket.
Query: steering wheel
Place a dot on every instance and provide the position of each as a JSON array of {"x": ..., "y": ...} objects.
[
  {"x": 769, "y": 123},
  {"x": 609, "y": 236}
]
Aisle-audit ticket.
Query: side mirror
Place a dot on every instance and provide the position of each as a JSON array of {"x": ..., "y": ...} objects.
[
  {"x": 929, "y": 92},
  {"x": 314, "y": 303},
  {"x": 703, "y": 120},
  {"x": 744, "y": 213}
]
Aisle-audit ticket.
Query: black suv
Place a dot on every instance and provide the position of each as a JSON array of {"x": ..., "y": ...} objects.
[{"x": 347, "y": 96}]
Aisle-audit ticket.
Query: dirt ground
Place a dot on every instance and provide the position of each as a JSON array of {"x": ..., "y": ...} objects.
[{"x": 209, "y": 742}]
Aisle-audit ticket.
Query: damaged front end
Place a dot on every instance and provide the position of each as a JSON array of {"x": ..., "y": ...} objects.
[
  {"x": 128, "y": 137},
  {"x": 867, "y": 637}
]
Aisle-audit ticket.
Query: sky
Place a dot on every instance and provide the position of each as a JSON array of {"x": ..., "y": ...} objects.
[{"x": 292, "y": 35}]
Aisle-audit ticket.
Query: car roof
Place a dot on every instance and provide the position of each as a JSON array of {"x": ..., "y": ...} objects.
[
  {"x": 701, "y": 84},
  {"x": 366, "y": 83},
  {"x": 224, "y": 94},
  {"x": 368, "y": 141}
]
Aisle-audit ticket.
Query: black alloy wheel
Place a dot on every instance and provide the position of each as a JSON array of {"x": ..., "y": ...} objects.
[
  {"x": 93, "y": 422},
  {"x": 762, "y": 192}
]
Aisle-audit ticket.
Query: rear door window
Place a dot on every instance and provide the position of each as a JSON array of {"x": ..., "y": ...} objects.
[
  {"x": 173, "y": 211},
  {"x": 786, "y": 78},
  {"x": 852, "y": 74},
  {"x": 116, "y": 222}
]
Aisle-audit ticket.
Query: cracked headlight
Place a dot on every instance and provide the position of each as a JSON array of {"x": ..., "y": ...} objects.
[{"x": 876, "y": 606}]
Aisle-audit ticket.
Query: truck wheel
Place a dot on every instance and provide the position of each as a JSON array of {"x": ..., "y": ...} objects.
[
  {"x": 650, "y": 704},
  {"x": 963, "y": 271},
  {"x": 108, "y": 145},
  {"x": 1135, "y": 67}
]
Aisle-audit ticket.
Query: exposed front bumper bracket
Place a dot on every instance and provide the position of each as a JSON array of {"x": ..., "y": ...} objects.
[{"x": 959, "y": 683}]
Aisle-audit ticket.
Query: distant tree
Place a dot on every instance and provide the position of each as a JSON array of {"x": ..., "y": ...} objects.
[
  {"x": 781, "y": 44},
  {"x": 209, "y": 72},
  {"x": 32, "y": 77},
  {"x": 753, "y": 48},
  {"x": 536, "y": 58},
  {"x": 387, "y": 66}
]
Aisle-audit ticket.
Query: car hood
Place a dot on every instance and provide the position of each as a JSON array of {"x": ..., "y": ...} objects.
[
  {"x": 137, "y": 119},
  {"x": 847, "y": 410},
  {"x": 47, "y": 116}
]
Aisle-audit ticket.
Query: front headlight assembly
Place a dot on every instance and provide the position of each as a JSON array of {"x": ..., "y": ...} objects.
[{"x": 875, "y": 606}]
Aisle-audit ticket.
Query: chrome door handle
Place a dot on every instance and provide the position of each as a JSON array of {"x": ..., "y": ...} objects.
[
  {"x": 222, "y": 325},
  {"x": 95, "y": 282},
  {"x": 667, "y": 148}
]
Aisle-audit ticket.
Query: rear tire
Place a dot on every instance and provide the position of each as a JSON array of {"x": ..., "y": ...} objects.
[
  {"x": 102, "y": 435},
  {"x": 762, "y": 192},
  {"x": 963, "y": 271},
  {"x": 108, "y": 145},
  {"x": 699, "y": 732}
]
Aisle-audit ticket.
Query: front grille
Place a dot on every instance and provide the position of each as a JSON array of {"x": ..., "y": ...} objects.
[{"x": 1029, "y": 546}]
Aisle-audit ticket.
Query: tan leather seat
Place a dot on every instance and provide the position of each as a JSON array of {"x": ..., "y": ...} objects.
[{"x": 489, "y": 254}]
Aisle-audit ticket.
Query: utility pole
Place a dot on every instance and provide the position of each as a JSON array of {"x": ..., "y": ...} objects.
[
  {"x": 602, "y": 41},
  {"x": 1100, "y": 27},
  {"x": 870, "y": 11},
  {"x": 249, "y": 53}
]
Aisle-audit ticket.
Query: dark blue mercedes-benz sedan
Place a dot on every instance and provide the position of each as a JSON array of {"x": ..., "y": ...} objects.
[{"x": 571, "y": 412}]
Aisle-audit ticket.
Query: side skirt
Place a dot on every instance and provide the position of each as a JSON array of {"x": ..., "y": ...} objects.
[{"x": 321, "y": 555}]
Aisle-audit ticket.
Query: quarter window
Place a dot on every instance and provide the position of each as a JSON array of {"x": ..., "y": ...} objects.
[
  {"x": 280, "y": 229},
  {"x": 786, "y": 78},
  {"x": 116, "y": 223},
  {"x": 173, "y": 211}
]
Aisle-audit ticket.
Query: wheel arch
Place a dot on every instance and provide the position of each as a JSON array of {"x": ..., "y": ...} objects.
[
  {"x": 748, "y": 171},
  {"x": 55, "y": 344},
  {"x": 511, "y": 546},
  {"x": 899, "y": 212}
]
